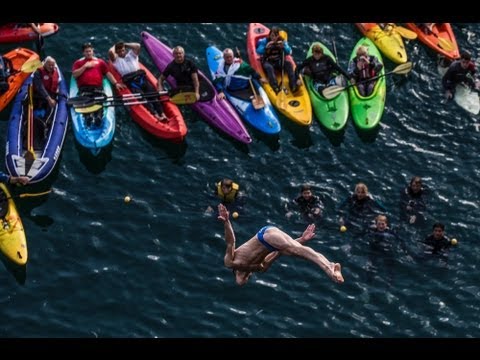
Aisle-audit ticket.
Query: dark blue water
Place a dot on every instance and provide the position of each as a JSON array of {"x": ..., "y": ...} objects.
[{"x": 99, "y": 267}]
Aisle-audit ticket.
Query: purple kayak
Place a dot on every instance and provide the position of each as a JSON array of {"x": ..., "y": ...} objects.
[{"x": 219, "y": 114}]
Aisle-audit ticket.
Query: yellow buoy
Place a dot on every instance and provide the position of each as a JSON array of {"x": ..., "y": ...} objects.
[
  {"x": 127, "y": 199},
  {"x": 343, "y": 228},
  {"x": 453, "y": 241},
  {"x": 235, "y": 214}
]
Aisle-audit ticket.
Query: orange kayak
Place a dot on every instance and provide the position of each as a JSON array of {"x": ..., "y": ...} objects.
[
  {"x": 14, "y": 32},
  {"x": 16, "y": 78},
  {"x": 441, "y": 39}
]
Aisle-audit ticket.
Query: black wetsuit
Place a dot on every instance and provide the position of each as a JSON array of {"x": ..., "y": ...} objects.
[
  {"x": 321, "y": 70},
  {"x": 437, "y": 246},
  {"x": 457, "y": 74},
  {"x": 308, "y": 206},
  {"x": 413, "y": 203}
]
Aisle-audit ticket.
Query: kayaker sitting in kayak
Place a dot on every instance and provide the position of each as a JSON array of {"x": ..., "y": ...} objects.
[
  {"x": 259, "y": 253},
  {"x": 45, "y": 87},
  {"x": 89, "y": 72},
  {"x": 233, "y": 74},
  {"x": 273, "y": 50},
  {"x": 460, "y": 71},
  {"x": 362, "y": 68},
  {"x": 127, "y": 65},
  {"x": 322, "y": 69},
  {"x": 183, "y": 70}
]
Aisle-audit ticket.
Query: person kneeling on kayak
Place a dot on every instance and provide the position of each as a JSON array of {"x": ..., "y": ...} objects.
[{"x": 460, "y": 71}]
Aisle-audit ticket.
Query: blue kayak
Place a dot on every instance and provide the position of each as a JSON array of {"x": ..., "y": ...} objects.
[
  {"x": 48, "y": 134},
  {"x": 93, "y": 136},
  {"x": 264, "y": 119}
]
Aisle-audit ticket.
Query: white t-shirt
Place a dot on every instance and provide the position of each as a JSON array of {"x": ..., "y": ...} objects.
[{"x": 128, "y": 64}]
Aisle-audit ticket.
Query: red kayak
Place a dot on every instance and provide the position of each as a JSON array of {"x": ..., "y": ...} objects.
[
  {"x": 14, "y": 32},
  {"x": 440, "y": 38},
  {"x": 16, "y": 78},
  {"x": 174, "y": 129}
]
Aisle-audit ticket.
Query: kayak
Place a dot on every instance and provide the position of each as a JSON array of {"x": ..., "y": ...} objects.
[
  {"x": 333, "y": 113},
  {"x": 464, "y": 97},
  {"x": 441, "y": 33},
  {"x": 367, "y": 111},
  {"x": 219, "y": 114},
  {"x": 264, "y": 119},
  {"x": 13, "y": 32},
  {"x": 13, "y": 242},
  {"x": 173, "y": 130},
  {"x": 48, "y": 135},
  {"x": 388, "y": 41},
  {"x": 91, "y": 136},
  {"x": 297, "y": 106},
  {"x": 18, "y": 57}
]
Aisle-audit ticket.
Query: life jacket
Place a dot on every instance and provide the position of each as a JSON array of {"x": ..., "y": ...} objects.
[
  {"x": 367, "y": 71},
  {"x": 230, "y": 197},
  {"x": 50, "y": 81},
  {"x": 273, "y": 52}
]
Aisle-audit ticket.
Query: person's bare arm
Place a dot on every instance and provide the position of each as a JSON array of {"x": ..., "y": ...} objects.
[
  {"x": 161, "y": 79},
  {"x": 196, "y": 85},
  {"x": 112, "y": 55}
]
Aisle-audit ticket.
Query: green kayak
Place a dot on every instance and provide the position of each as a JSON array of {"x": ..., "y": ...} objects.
[
  {"x": 333, "y": 113},
  {"x": 367, "y": 111}
]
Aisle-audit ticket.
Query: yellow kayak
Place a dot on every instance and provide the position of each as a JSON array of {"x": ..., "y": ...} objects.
[
  {"x": 388, "y": 41},
  {"x": 295, "y": 106},
  {"x": 13, "y": 242}
]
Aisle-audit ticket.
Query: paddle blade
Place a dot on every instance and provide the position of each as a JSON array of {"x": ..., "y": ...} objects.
[
  {"x": 445, "y": 44},
  {"x": 31, "y": 65},
  {"x": 406, "y": 33},
  {"x": 332, "y": 91},
  {"x": 88, "y": 109},
  {"x": 184, "y": 98},
  {"x": 258, "y": 103},
  {"x": 282, "y": 100},
  {"x": 403, "y": 69}
]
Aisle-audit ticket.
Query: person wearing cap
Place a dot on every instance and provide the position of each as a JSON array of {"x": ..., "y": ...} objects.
[
  {"x": 460, "y": 71},
  {"x": 362, "y": 68}
]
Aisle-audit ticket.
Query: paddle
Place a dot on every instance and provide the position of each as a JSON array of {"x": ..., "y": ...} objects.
[
  {"x": 445, "y": 44},
  {"x": 31, "y": 65},
  {"x": 332, "y": 91},
  {"x": 405, "y": 33},
  {"x": 180, "y": 98},
  {"x": 30, "y": 154},
  {"x": 282, "y": 97},
  {"x": 29, "y": 194},
  {"x": 257, "y": 101},
  {"x": 115, "y": 102}
]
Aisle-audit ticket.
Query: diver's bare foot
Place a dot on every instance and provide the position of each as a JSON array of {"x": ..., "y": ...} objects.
[{"x": 337, "y": 273}]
